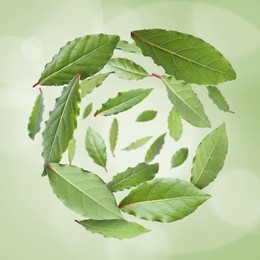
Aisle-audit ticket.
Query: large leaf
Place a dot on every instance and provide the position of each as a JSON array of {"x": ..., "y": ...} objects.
[
  {"x": 88, "y": 85},
  {"x": 133, "y": 176},
  {"x": 163, "y": 200},
  {"x": 85, "y": 55},
  {"x": 34, "y": 125},
  {"x": 123, "y": 101},
  {"x": 210, "y": 157},
  {"x": 96, "y": 147},
  {"x": 71, "y": 150},
  {"x": 113, "y": 135},
  {"x": 155, "y": 148},
  {"x": 218, "y": 99},
  {"x": 179, "y": 157},
  {"x": 127, "y": 69},
  {"x": 184, "y": 56},
  {"x": 147, "y": 115},
  {"x": 83, "y": 192},
  {"x": 62, "y": 122},
  {"x": 174, "y": 125},
  {"x": 186, "y": 102},
  {"x": 116, "y": 228},
  {"x": 128, "y": 47},
  {"x": 138, "y": 143}
]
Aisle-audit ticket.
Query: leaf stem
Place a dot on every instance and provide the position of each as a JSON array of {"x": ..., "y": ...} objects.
[
  {"x": 36, "y": 84},
  {"x": 155, "y": 75}
]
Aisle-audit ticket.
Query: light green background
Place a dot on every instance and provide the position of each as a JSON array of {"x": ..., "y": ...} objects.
[{"x": 35, "y": 225}]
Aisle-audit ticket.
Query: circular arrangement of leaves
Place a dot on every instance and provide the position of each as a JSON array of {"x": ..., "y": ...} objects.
[{"x": 186, "y": 60}]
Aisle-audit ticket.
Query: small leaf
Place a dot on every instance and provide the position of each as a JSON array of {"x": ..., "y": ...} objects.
[
  {"x": 123, "y": 101},
  {"x": 85, "y": 55},
  {"x": 127, "y": 69},
  {"x": 210, "y": 157},
  {"x": 96, "y": 147},
  {"x": 113, "y": 135},
  {"x": 87, "y": 110},
  {"x": 71, "y": 149},
  {"x": 62, "y": 122},
  {"x": 83, "y": 192},
  {"x": 116, "y": 228},
  {"x": 163, "y": 200},
  {"x": 218, "y": 99},
  {"x": 174, "y": 125},
  {"x": 154, "y": 149},
  {"x": 138, "y": 143},
  {"x": 147, "y": 115},
  {"x": 34, "y": 125},
  {"x": 128, "y": 47},
  {"x": 186, "y": 102},
  {"x": 179, "y": 157},
  {"x": 184, "y": 56},
  {"x": 133, "y": 176},
  {"x": 88, "y": 85}
]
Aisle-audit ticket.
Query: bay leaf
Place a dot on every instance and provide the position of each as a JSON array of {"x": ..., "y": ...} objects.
[
  {"x": 133, "y": 176},
  {"x": 71, "y": 150},
  {"x": 113, "y": 136},
  {"x": 87, "y": 110},
  {"x": 85, "y": 55},
  {"x": 210, "y": 157},
  {"x": 186, "y": 102},
  {"x": 34, "y": 124},
  {"x": 155, "y": 148},
  {"x": 82, "y": 191},
  {"x": 127, "y": 69},
  {"x": 96, "y": 147},
  {"x": 123, "y": 101},
  {"x": 163, "y": 200},
  {"x": 184, "y": 56},
  {"x": 138, "y": 143},
  {"x": 116, "y": 228},
  {"x": 174, "y": 125},
  {"x": 62, "y": 122},
  {"x": 147, "y": 115},
  {"x": 179, "y": 157}
]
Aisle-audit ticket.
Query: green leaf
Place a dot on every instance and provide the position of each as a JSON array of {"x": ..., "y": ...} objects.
[
  {"x": 113, "y": 135},
  {"x": 85, "y": 55},
  {"x": 96, "y": 147},
  {"x": 179, "y": 157},
  {"x": 138, "y": 143},
  {"x": 147, "y": 115},
  {"x": 184, "y": 56},
  {"x": 71, "y": 149},
  {"x": 87, "y": 110},
  {"x": 133, "y": 176},
  {"x": 163, "y": 200},
  {"x": 174, "y": 125},
  {"x": 128, "y": 47},
  {"x": 186, "y": 102},
  {"x": 62, "y": 122},
  {"x": 127, "y": 69},
  {"x": 88, "y": 85},
  {"x": 34, "y": 125},
  {"x": 155, "y": 148},
  {"x": 210, "y": 157},
  {"x": 83, "y": 192},
  {"x": 116, "y": 228},
  {"x": 218, "y": 99},
  {"x": 123, "y": 101}
]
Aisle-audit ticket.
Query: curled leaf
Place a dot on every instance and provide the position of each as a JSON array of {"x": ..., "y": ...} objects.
[
  {"x": 113, "y": 135},
  {"x": 34, "y": 125},
  {"x": 138, "y": 143},
  {"x": 116, "y": 228},
  {"x": 155, "y": 148}
]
